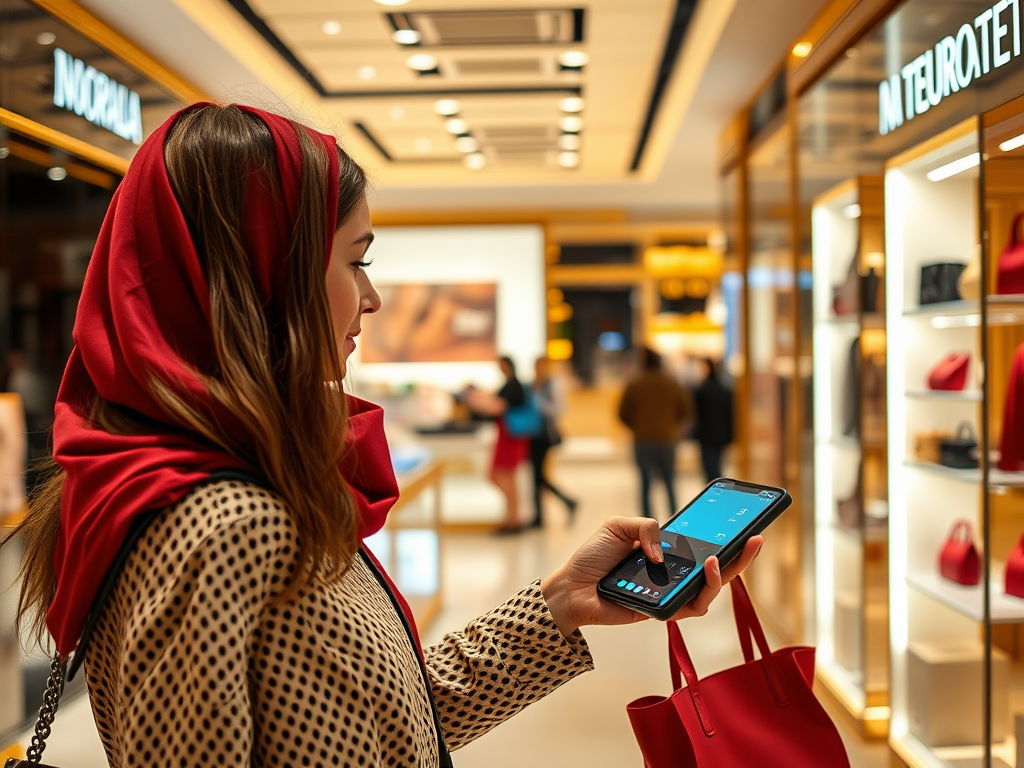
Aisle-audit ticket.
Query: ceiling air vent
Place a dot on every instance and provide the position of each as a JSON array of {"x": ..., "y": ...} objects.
[
  {"x": 493, "y": 27},
  {"x": 489, "y": 67},
  {"x": 518, "y": 135}
]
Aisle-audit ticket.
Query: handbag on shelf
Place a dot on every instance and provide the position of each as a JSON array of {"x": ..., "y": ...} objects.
[
  {"x": 950, "y": 373},
  {"x": 846, "y": 295},
  {"x": 961, "y": 451},
  {"x": 938, "y": 282},
  {"x": 869, "y": 288},
  {"x": 928, "y": 445},
  {"x": 1010, "y": 270},
  {"x": 1013, "y": 577},
  {"x": 761, "y": 713},
  {"x": 1011, "y": 442},
  {"x": 959, "y": 560},
  {"x": 969, "y": 284}
]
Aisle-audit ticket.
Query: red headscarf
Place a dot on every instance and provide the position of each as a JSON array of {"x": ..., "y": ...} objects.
[{"x": 145, "y": 311}]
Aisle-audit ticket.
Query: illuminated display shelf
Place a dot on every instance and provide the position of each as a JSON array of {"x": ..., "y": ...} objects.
[
  {"x": 996, "y": 478},
  {"x": 917, "y": 755},
  {"x": 965, "y": 396},
  {"x": 875, "y": 530},
  {"x": 1005, "y": 609}
]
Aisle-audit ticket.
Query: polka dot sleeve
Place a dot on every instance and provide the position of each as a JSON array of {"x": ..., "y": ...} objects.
[
  {"x": 187, "y": 612},
  {"x": 500, "y": 663}
]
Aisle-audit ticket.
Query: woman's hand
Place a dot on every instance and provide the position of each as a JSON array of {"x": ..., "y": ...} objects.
[{"x": 571, "y": 592}]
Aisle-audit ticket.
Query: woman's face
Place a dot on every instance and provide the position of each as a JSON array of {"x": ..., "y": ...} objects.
[{"x": 349, "y": 291}]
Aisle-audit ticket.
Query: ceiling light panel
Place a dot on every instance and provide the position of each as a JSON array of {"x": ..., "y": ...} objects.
[{"x": 497, "y": 27}]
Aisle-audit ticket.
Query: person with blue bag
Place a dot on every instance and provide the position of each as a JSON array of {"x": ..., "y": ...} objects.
[{"x": 518, "y": 419}]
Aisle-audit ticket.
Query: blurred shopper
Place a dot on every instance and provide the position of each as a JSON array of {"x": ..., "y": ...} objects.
[
  {"x": 550, "y": 399},
  {"x": 509, "y": 450},
  {"x": 199, "y": 541},
  {"x": 714, "y": 429},
  {"x": 656, "y": 408}
]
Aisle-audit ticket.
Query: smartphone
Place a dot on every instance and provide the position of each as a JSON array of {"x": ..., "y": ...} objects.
[{"x": 719, "y": 522}]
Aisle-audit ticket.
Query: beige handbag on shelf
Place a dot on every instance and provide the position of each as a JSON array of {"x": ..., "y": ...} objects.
[
  {"x": 928, "y": 444},
  {"x": 969, "y": 283}
]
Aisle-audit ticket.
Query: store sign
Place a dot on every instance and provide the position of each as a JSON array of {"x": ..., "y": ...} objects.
[
  {"x": 98, "y": 98},
  {"x": 990, "y": 42}
]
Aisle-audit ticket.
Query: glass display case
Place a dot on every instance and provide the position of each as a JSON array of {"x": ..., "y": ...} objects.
[{"x": 851, "y": 496}]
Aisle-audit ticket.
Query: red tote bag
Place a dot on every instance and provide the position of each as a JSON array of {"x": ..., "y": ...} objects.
[
  {"x": 1010, "y": 271},
  {"x": 761, "y": 714},
  {"x": 959, "y": 560},
  {"x": 950, "y": 373}
]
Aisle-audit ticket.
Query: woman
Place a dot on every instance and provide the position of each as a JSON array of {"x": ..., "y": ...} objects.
[
  {"x": 199, "y": 540},
  {"x": 551, "y": 402},
  {"x": 509, "y": 450}
]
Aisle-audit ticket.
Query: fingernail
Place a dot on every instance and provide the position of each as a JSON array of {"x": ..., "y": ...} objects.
[{"x": 659, "y": 556}]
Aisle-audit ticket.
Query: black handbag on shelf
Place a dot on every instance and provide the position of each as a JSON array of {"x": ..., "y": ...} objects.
[
  {"x": 939, "y": 282},
  {"x": 960, "y": 452}
]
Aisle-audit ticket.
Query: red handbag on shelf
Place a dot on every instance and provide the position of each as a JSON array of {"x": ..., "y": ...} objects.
[
  {"x": 959, "y": 560},
  {"x": 1010, "y": 272},
  {"x": 761, "y": 713},
  {"x": 1013, "y": 579},
  {"x": 1011, "y": 443},
  {"x": 950, "y": 373}
]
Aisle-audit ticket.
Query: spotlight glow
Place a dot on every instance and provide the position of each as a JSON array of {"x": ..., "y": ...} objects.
[
  {"x": 467, "y": 144},
  {"x": 571, "y": 104},
  {"x": 957, "y": 166},
  {"x": 573, "y": 59},
  {"x": 456, "y": 126},
  {"x": 1011, "y": 144},
  {"x": 46, "y": 38},
  {"x": 474, "y": 161},
  {"x": 57, "y": 173},
  {"x": 801, "y": 50},
  {"x": 331, "y": 27},
  {"x": 568, "y": 159},
  {"x": 569, "y": 141},
  {"x": 421, "y": 62},
  {"x": 571, "y": 124},
  {"x": 446, "y": 107},
  {"x": 406, "y": 36},
  {"x": 366, "y": 72}
]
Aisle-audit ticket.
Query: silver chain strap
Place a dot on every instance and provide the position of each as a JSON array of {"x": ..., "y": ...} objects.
[{"x": 47, "y": 712}]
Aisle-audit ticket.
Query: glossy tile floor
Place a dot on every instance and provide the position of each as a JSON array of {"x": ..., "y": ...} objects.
[{"x": 584, "y": 723}]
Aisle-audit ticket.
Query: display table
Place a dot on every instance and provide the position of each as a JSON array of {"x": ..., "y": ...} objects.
[{"x": 409, "y": 546}]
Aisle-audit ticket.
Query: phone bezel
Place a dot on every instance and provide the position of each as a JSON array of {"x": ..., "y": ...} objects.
[{"x": 668, "y": 609}]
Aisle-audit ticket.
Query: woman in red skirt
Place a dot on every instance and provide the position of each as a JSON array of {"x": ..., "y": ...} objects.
[{"x": 509, "y": 451}]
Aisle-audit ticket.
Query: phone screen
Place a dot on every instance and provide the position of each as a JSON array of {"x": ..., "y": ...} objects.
[{"x": 704, "y": 528}]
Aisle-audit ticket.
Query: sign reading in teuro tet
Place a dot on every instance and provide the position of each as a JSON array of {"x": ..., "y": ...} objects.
[
  {"x": 989, "y": 43},
  {"x": 98, "y": 98}
]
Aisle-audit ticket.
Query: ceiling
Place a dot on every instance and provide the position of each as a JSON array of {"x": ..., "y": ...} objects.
[{"x": 509, "y": 91}]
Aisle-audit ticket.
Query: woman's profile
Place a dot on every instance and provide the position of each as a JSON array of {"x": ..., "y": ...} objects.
[{"x": 197, "y": 543}]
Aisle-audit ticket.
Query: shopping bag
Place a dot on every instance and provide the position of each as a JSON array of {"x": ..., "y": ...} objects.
[
  {"x": 761, "y": 714},
  {"x": 950, "y": 373},
  {"x": 524, "y": 420}
]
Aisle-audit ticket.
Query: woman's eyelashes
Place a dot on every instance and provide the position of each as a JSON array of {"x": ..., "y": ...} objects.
[{"x": 362, "y": 264}]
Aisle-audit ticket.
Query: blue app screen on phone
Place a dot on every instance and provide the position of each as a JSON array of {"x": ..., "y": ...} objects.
[{"x": 714, "y": 519}]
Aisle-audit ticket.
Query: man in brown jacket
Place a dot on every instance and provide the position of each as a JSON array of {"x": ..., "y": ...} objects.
[{"x": 656, "y": 409}]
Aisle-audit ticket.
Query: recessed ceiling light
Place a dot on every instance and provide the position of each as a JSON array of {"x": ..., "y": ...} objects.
[
  {"x": 474, "y": 161},
  {"x": 391, "y": 2},
  {"x": 467, "y": 144},
  {"x": 571, "y": 104},
  {"x": 456, "y": 126},
  {"x": 1011, "y": 144},
  {"x": 331, "y": 27},
  {"x": 568, "y": 159},
  {"x": 46, "y": 38},
  {"x": 57, "y": 173},
  {"x": 569, "y": 141},
  {"x": 573, "y": 59},
  {"x": 957, "y": 166},
  {"x": 572, "y": 123},
  {"x": 4, "y": 152},
  {"x": 421, "y": 62},
  {"x": 397, "y": 113},
  {"x": 406, "y": 36},
  {"x": 423, "y": 145},
  {"x": 852, "y": 53},
  {"x": 800, "y": 50},
  {"x": 366, "y": 72},
  {"x": 446, "y": 107}
]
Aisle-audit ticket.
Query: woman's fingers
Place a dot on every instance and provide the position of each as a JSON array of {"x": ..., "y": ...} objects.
[{"x": 741, "y": 563}]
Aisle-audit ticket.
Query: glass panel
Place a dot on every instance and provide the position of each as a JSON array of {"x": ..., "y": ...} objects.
[{"x": 1003, "y": 175}]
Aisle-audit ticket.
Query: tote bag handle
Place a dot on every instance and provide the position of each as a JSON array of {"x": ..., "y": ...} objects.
[{"x": 747, "y": 624}]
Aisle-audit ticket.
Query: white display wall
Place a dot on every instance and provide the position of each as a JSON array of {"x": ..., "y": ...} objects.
[{"x": 512, "y": 257}]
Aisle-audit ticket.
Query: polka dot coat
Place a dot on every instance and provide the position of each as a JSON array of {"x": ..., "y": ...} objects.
[{"x": 192, "y": 664}]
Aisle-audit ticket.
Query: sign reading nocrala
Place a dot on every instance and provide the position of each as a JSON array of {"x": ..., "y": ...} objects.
[{"x": 98, "y": 98}]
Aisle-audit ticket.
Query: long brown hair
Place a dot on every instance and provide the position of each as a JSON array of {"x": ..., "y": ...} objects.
[{"x": 270, "y": 371}]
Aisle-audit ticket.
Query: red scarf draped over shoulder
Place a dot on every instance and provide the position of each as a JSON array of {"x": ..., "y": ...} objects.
[{"x": 145, "y": 311}]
